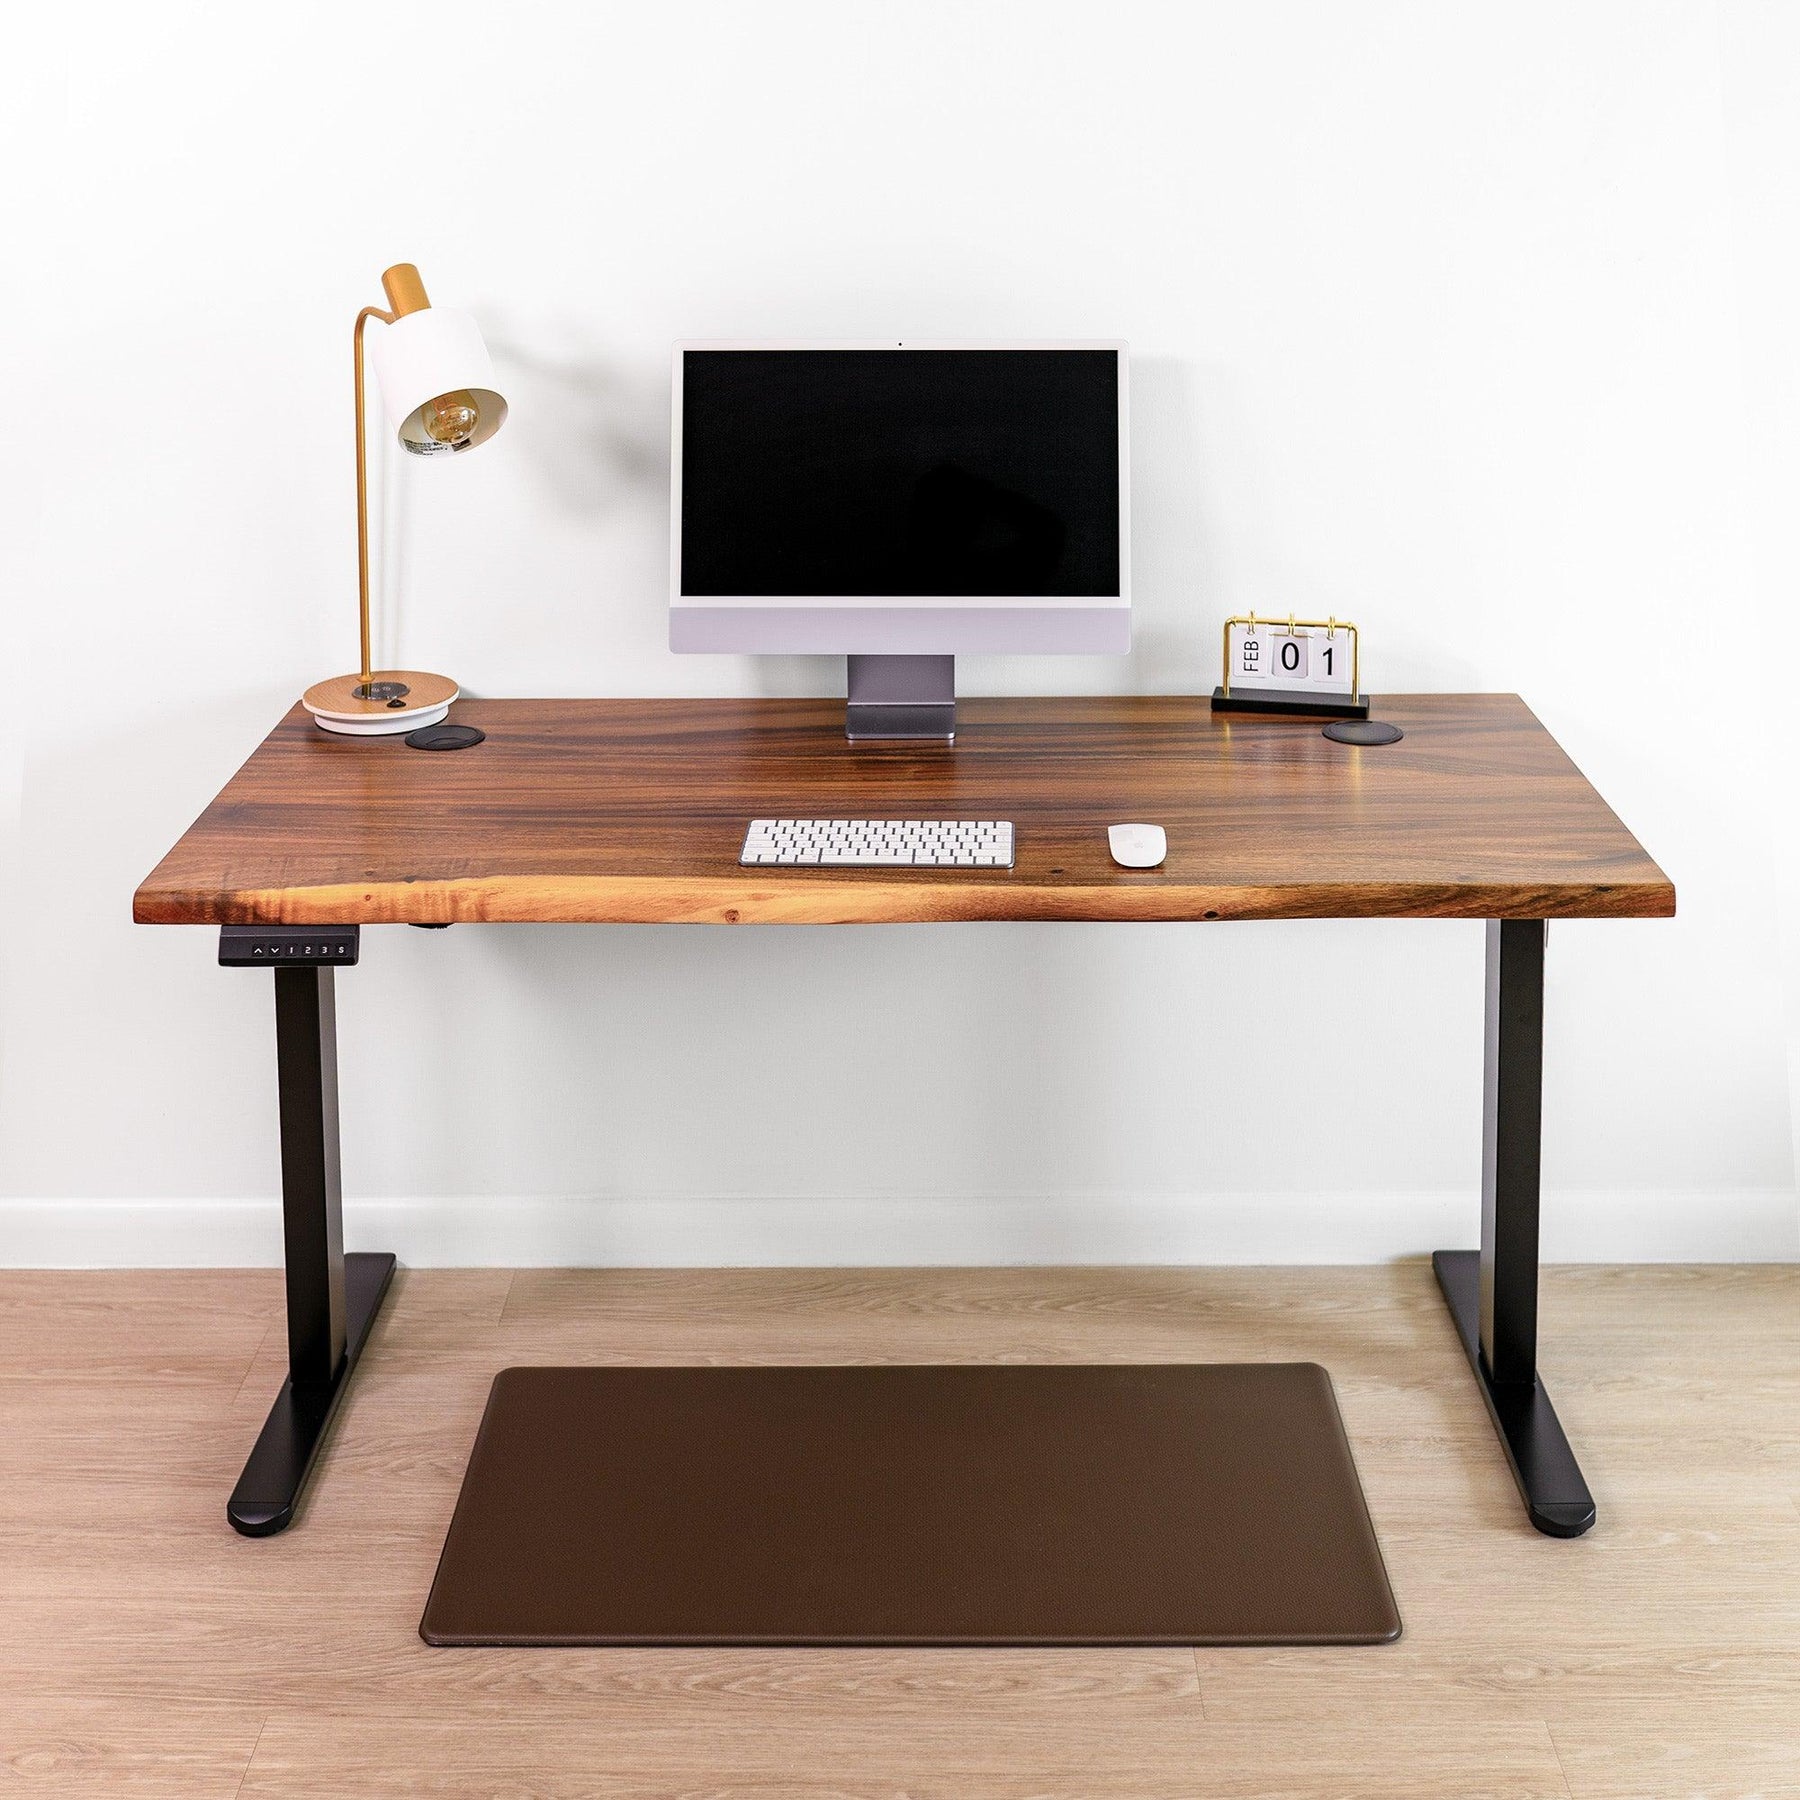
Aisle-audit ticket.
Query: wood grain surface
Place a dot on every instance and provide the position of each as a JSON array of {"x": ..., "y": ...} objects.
[
  {"x": 146, "y": 1649},
  {"x": 590, "y": 811}
]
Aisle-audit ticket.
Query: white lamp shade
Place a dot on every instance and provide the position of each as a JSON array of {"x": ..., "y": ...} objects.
[{"x": 424, "y": 355}]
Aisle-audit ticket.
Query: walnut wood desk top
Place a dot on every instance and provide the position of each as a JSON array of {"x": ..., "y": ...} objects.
[{"x": 634, "y": 810}]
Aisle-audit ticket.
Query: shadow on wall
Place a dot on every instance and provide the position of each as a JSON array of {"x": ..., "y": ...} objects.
[
  {"x": 595, "y": 439},
  {"x": 1176, "y": 583}
]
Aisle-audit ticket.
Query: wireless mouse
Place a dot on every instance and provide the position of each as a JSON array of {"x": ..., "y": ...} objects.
[{"x": 1137, "y": 846}]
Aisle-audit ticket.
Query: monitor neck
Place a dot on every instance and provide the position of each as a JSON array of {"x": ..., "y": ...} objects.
[{"x": 901, "y": 697}]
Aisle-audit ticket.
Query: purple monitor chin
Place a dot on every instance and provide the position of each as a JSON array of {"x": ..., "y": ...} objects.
[{"x": 817, "y": 628}]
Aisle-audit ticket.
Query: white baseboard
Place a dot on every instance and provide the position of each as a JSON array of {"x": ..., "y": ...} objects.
[{"x": 1729, "y": 1225}]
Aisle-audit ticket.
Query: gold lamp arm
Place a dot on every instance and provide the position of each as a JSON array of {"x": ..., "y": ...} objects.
[
  {"x": 362, "y": 487},
  {"x": 405, "y": 700}
]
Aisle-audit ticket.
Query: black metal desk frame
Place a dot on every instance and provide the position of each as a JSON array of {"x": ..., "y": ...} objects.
[{"x": 332, "y": 1298}]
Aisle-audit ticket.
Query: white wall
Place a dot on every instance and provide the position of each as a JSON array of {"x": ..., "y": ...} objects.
[{"x": 1464, "y": 321}]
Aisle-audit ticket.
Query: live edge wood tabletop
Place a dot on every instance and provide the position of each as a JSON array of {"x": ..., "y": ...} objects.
[{"x": 594, "y": 811}]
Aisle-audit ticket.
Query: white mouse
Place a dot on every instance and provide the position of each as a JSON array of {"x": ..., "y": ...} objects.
[{"x": 1137, "y": 846}]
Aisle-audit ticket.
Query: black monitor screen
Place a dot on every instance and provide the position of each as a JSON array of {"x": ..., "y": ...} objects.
[{"x": 897, "y": 472}]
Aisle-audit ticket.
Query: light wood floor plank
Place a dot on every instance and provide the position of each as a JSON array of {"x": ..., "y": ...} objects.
[
  {"x": 77, "y": 1749},
  {"x": 124, "y": 1327},
  {"x": 1613, "y": 1749},
  {"x": 949, "y": 1756}
]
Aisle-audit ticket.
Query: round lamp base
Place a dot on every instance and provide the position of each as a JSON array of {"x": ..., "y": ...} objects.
[{"x": 394, "y": 701}]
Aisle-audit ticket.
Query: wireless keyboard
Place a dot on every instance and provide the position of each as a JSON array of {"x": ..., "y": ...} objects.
[{"x": 869, "y": 843}]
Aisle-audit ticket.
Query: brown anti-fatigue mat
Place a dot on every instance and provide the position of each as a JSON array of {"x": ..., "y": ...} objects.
[{"x": 1153, "y": 1504}]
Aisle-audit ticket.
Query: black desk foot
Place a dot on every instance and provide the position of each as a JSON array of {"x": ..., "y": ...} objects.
[
  {"x": 269, "y": 1488},
  {"x": 1556, "y": 1495}
]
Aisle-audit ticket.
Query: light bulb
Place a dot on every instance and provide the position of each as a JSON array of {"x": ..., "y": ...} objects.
[{"x": 451, "y": 419}]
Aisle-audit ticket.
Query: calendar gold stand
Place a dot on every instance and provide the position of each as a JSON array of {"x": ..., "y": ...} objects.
[{"x": 1293, "y": 702}]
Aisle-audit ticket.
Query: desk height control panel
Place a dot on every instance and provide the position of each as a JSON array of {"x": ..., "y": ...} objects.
[{"x": 251, "y": 946}]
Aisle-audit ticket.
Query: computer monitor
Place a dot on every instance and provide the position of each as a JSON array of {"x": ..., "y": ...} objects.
[{"x": 899, "y": 504}]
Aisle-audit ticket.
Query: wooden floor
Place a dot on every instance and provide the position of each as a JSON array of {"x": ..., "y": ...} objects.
[{"x": 144, "y": 1649}]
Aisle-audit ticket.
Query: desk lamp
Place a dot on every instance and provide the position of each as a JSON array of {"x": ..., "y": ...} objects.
[{"x": 438, "y": 387}]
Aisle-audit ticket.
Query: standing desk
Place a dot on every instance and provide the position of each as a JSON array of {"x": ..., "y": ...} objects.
[{"x": 633, "y": 811}]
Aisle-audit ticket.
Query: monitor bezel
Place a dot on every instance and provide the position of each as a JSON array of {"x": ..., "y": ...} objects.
[{"x": 901, "y": 602}]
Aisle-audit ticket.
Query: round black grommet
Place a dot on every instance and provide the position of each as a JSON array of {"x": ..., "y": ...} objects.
[
  {"x": 444, "y": 737},
  {"x": 1353, "y": 731}
]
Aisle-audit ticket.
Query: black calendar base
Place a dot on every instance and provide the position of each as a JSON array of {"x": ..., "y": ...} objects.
[{"x": 1299, "y": 706}]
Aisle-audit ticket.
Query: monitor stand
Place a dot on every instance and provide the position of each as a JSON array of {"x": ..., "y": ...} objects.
[{"x": 901, "y": 697}]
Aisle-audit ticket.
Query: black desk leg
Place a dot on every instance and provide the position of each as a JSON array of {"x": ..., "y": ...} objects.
[
  {"x": 332, "y": 1298},
  {"x": 1493, "y": 1292}
]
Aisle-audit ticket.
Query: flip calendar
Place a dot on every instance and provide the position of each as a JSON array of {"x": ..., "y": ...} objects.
[{"x": 1292, "y": 665}]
